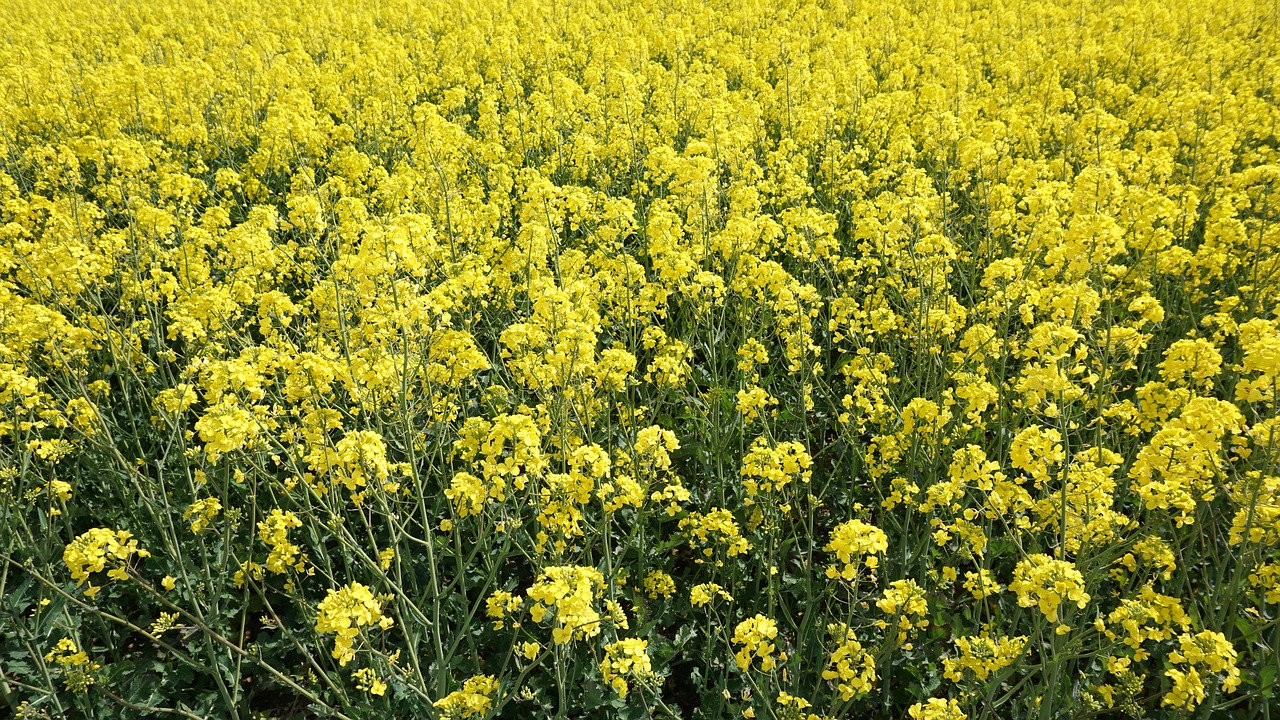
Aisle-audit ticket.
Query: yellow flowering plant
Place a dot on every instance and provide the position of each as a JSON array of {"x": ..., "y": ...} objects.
[{"x": 796, "y": 360}]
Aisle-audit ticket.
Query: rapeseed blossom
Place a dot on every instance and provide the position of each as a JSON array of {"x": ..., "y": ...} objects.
[
  {"x": 570, "y": 594},
  {"x": 983, "y": 655},
  {"x": 1043, "y": 582},
  {"x": 76, "y": 667},
  {"x": 855, "y": 542},
  {"x": 624, "y": 659},
  {"x": 475, "y": 698},
  {"x": 756, "y": 638},
  {"x": 905, "y": 601},
  {"x": 97, "y": 548},
  {"x": 345, "y": 611},
  {"x": 851, "y": 667},
  {"x": 550, "y": 354}
]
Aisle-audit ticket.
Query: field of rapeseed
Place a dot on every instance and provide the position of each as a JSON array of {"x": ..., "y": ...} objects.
[{"x": 622, "y": 359}]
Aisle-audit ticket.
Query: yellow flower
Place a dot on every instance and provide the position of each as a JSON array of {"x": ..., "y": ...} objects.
[
  {"x": 936, "y": 709},
  {"x": 905, "y": 600},
  {"x": 770, "y": 468},
  {"x": 1045, "y": 582},
  {"x": 344, "y": 611},
  {"x": 570, "y": 592},
  {"x": 59, "y": 489},
  {"x": 700, "y": 595},
  {"x": 851, "y": 542},
  {"x": 367, "y": 680},
  {"x": 852, "y": 668},
  {"x": 756, "y": 636},
  {"x": 475, "y": 698},
  {"x": 982, "y": 655},
  {"x": 716, "y": 530},
  {"x": 1208, "y": 651},
  {"x": 77, "y": 670},
  {"x": 752, "y": 401},
  {"x": 97, "y": 548},
  {"x": 274, "y": 532},
  {"x": 166, "y": 622},
  {"x": 201, "y": 513},
  {"x": 626, "y": 659},
  {"x": 500, "y": 605},
  {"x": 658, "y": 583}
]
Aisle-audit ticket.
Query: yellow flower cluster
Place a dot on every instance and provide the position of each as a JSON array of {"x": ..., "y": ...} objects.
[
  {"x": 1148, "y": 617},
  {"x": 344, "y": 611},
  {"x": 936, "y": 709},
  {"x": 201, "y": 513},
  {"x": 982, "y": 655},
  {"x": 97, "y": 548},
  {"x": 1182, "y": 462},
  {"x": 852, "y": 668},
  {"x": 980, "y": 584},
  {"x": 752, "y": 401},
  {"x": 475, "y": 698},
  {"x": 367, "y": 680},
  {"x": 1044, "y": 582},
  {"x": 570, "y": 592},
  {"x": 855, "y": 542},
  {"x": 502, "y": 605},
  {"x": 1258, "y": 519},
  {"x": 274, "y": 532},
  {"x": 905, "y": 600},
  {"x": 1207, "y": 651},
  {"x": 1152, "y": 552},
  {"x": 1266, "y": 578},
  {"x": 701, "y": 595},
  {"x": 713, "y": 531},
  {"x": 624, "y": 659},
  {"x": 77, "y": 669},
  {"x": 769, "y": 468},
  {"x": 756, "y": 637},
  {"x": 659, "y": 583},
  {"x": 522, "y": 322}
]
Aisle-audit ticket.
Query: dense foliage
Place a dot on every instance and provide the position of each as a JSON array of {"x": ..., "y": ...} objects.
[{"x": 609, "y": 358}]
